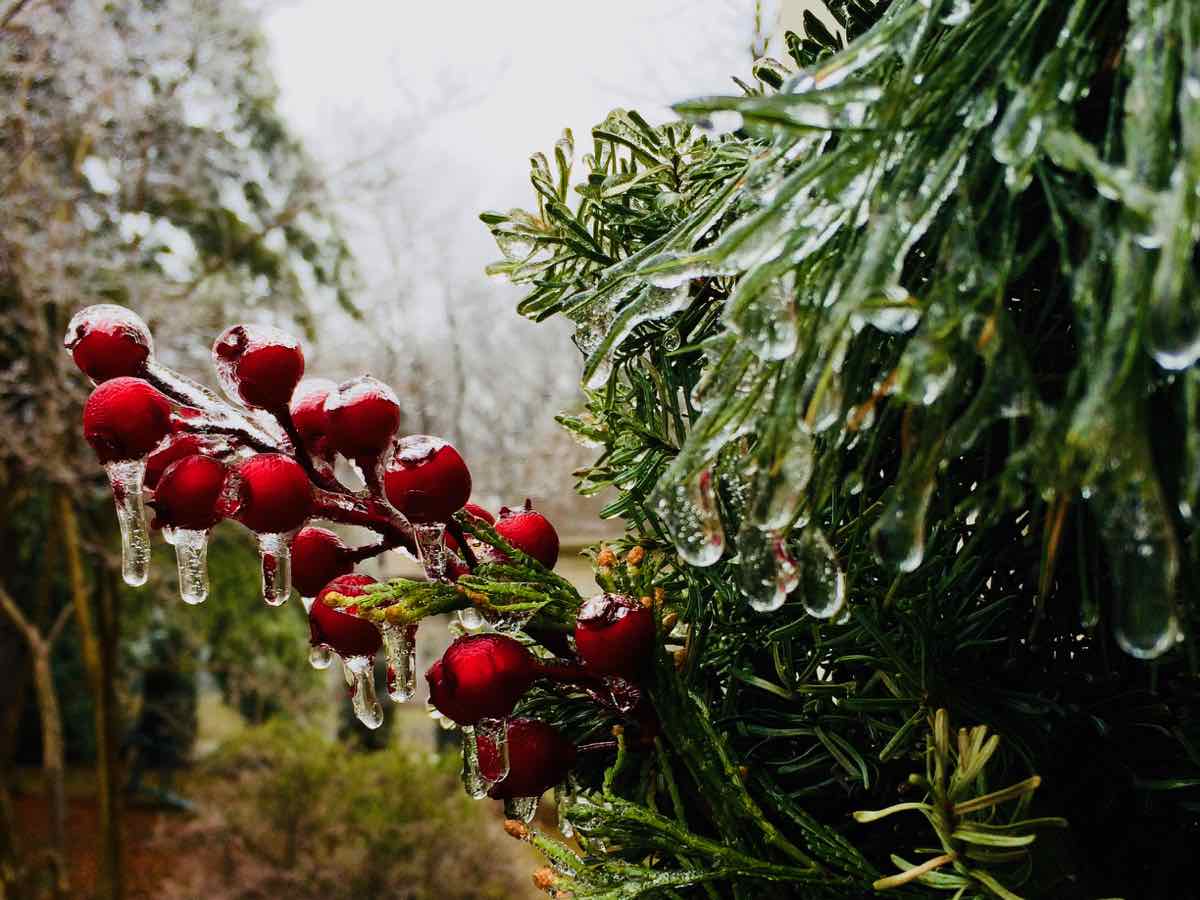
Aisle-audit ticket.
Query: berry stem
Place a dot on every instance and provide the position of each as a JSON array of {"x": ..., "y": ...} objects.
[
  {"x": 350, "y": 509},
  {"x": 283, "y": 416},
  {"x": 464, "y": 549},
  {"x": 370, "y": 551}
]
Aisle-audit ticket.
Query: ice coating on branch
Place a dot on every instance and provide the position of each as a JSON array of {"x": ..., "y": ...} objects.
[
  {"x": 494, "y": 736},
  {"x": 360, "y": 678},
  {"x": 400, "y": 651},
  {"x": 781, "y": 482},
  {"x": 125, "y": 479},
  {"x": 310, "y": 417},
  {"x": 822, "y": 582},
  {"x": 108, "y": 341},
  {"x": 431, "y": 549},
  {"x": 762, "y": 311},
  {"x": 522, "y": 809},
  {"x": 689, "y": 512},
  {"x": 276, "y": 553},
  {"x": 191, "y": 555}
]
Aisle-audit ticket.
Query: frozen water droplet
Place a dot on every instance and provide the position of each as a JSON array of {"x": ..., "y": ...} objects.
[
  {"x": 825, "y": 409},
  {"x": 689, "y": 512},
  {"x": 495, "y": 731},
  {"x": 1173, "y": 336},
  {"x": 191, "y": 553},
  {"x": 276, "y": 553},
  {"x": 360, "y": 677},
  {"x": 523, "y": 809},
  {"x": 822, "y": 581},
  {"x": 471, "y": 620},
  {"x": 899, "y": 535},
  {"x": 1143, "y": 559},
  {"x": 431, "y": 549},
  {"x": 926, "y": 370},
  {"x": 1016, "y": 138},
  {"x": 767, "y": 573},
  {"x": 473, "y": 781},
  {"x": 781, "y": 483},
  {"x": 894, "y": 313},
  {"x": 400, "y": 648},
  {"x": 320, "y": 656},
  {"x": 564, "y": 796},
  {"x": 126, "y": 480},
  {"x": 764, "y": 314}
]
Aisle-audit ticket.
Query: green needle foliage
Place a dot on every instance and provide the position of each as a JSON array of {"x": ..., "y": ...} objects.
[{"x": 889, "y": 361}]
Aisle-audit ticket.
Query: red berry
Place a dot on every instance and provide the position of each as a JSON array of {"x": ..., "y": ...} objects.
[
  {"x": 258, "y": 365},
  {"x": 530, "y": 532},
  {"x": 125, "y": 418},
  {"x": 108, "y": 341},
  {"x": 480, "y": 676},
  {"x": 426, "y": 479},
  {"x": 318, "y": 557},
  {"x": 614, "y": 635},
  {"x": 539, "y": 757},
  {"x": 178, "y": 446},
  {"x": 189, "y": 493},
  {"x": 364, "y": 414},
  {"x": 309, "y": 415},
  {"x": 345, "y": 633},
  {"x": 274, "y": 493}
]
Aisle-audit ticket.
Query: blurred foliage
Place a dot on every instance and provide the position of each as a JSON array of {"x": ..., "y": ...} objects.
[
  {"x": 912, "y": 319},
  {"x": 297, "y": 816}
]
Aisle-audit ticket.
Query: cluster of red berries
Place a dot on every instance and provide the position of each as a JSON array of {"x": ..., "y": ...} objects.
[{"x": 268, "y": 461}]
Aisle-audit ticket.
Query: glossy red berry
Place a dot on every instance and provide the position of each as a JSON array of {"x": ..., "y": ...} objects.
[
  {"x": 614, "y": 635},
  {"x": 539, "y": 758},
  {"x": 108, "y": 341},
  {"x": 125, "y": 418},
  {"x": 178, "y": 446},
  {"x": 345, "y": 633},
  {"x": 480, "y": 676},
  {"x": 258, "y": 365},
  {"x": 364, "y": 414},
  {"x": 274, "y": 494},
  {"x": 318, "y": 557},
  {"x": 309, "y": 415},
  {"x": 426, "y": 479},
  {"x": 189, "y": 493},
  {"x": 530, "y": 532}
]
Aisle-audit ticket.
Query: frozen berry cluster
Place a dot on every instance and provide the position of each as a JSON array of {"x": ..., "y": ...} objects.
[{"x": 267, "y": 458}]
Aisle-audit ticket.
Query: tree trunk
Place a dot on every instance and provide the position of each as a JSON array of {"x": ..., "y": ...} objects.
[
  {"x": 98, "y": 639},
  {"x": 52, "y": 754}
]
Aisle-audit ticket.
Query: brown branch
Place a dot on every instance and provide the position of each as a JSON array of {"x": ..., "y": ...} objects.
[{"x": 11, "y": 13}]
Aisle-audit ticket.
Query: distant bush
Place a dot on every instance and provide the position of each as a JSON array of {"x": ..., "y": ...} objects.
[{"x": 286, "y": 812}]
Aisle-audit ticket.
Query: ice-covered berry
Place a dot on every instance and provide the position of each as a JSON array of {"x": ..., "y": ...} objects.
[
  {"x": 348, "y": 635},
  {"x": 258, "y": 365},
  {"x": 318, "y": 557},
  {"x": 108, "y": 341},
  {"x": 125, "y": 418},
  {"x": 363, "y": 416},
  {"x": 309, "y": 415},
  {"x": 178, "y": 446},
  {"x": 274, "y": 494},
  {"x": 426, "y": 479},
  {"x": 530, "y": 532},
  {"x": 481, "y": 676},
  {"x": 539, "y": 757},
  {"x": 614, "y": 635},
  {"x": 189, "y": 493}
]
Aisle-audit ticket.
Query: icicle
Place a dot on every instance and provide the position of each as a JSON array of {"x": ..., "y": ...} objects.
[
  {"x": 767, "y": 573},
  {"x": 276, "y": 554},
  {"x": 899, "y": 535},
  {"x": 126, "y": 480},
  {"x": 689, "y": 512},
  {"x": 400, "y": 648},
  {"x": 168, "y": 534},
  {"x": 431, "y": 547},
  {"x": 496, "y": 732},
  {"x": 191, "y": 553},
  {"x": 1143, "y": 559},
  {"x": 781, "y": 484},
  {"x": 471, "y": 620},
  {"x": 523, "y": 809},
  {"x": 822, "y": 581},
  {"x": 320, "y": 656},
  {"x": 564, "y": 796},
  {"x": 473, "y": 781},
  {"x": 360, "y": 677}
]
